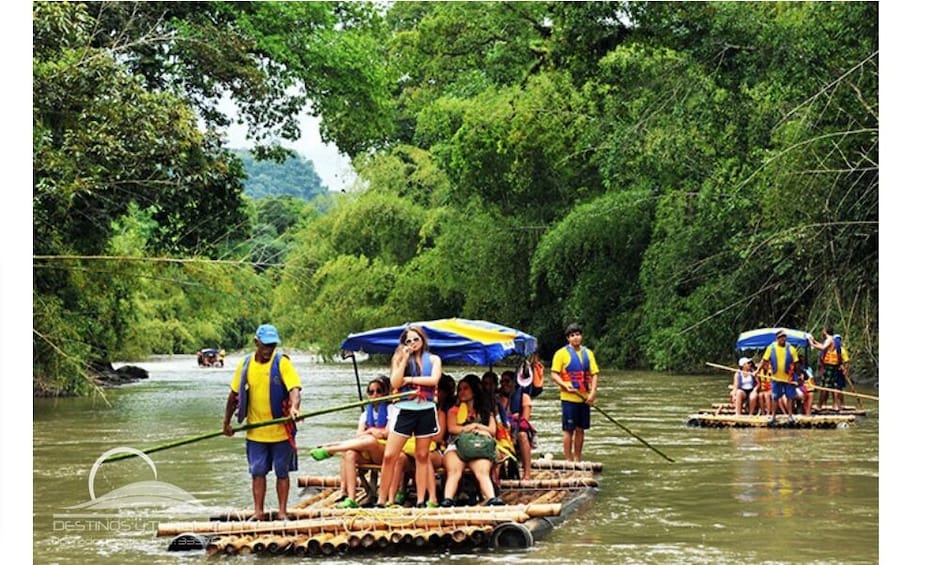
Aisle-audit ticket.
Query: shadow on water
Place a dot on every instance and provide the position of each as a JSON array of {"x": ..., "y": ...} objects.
[{"x": 732, "y": 496}]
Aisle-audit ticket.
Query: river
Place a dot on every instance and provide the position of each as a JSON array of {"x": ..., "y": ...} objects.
[{"x": 732, "y": 495}]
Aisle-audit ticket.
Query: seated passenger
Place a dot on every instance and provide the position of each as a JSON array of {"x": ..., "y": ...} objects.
[
  {"x": 368, "y": 445},
  {"x": 764, "y": 392},
  {"x": 473, "y": 414},
  {"x": 505, "y": 445},
  {"x": 744, "y": 387},
  {"x": 804, "y": 390},
  {"x": 518, "y": 405}
]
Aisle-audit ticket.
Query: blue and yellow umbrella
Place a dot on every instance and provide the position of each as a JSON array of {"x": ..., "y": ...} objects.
[
  {"x": 763, "y": 337},
  {"x": 452, "y": 339}
]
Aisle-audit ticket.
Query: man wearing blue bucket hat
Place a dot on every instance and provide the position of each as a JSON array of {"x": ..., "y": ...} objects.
[{"x": 266, "y": 386}]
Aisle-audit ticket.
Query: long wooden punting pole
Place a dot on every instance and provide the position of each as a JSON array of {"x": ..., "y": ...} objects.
[
  {"x": 543, "y": 510},
  {"x": 321, "y": 525},
  {"x": 533, "y": 510},
  {"x": 284, "y": 420},
  {"x": 814, "y": 385},
  {"x": 626, "y": 429}
]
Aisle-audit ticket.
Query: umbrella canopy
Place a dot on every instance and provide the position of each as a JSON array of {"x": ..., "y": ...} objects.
[
  {"x": 452, "y": 339},
  {"x": 763, "y": 337}
]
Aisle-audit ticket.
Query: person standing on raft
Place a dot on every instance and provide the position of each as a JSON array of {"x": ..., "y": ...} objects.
[
  {"x": 414, "y": 369},
  {"x": 575, "y": 371},
  {"x": 266, "y": 386}
]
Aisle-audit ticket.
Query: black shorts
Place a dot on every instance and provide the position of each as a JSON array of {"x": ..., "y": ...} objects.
[{"x": 418, "y": 423}]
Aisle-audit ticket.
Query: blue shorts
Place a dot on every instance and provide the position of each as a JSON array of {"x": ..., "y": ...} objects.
[
  {"x": 418, "y": 423},
  {"x": 779, "y": 389},
  {"x": 575, "y": 415},
  {"x": 263, "y": 455}
]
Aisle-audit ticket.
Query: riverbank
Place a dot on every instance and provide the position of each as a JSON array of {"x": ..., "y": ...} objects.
[{"x": 101, "y": 375}]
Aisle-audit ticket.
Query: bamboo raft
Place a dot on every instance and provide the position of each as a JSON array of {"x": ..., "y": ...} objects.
[
  {"x": 316, "y": 526},
  {"x": 726, "y": 408},
  {"x": 712, "y": 420}
]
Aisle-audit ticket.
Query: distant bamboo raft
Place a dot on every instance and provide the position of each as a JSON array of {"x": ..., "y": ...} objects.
[
  {"x": 707, "y": 420},
  {"x": 727, "y": 408}
]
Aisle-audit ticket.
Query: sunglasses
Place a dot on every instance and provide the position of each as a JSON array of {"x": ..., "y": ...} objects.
[
  {"x": 412, "y": 340},
  {"x": 374, "y": 391}
]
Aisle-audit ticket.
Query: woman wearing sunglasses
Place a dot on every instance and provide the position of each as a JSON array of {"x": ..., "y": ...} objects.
[{"x": 414, "y": 369}]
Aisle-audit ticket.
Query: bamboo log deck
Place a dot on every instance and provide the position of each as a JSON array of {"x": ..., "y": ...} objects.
[
  {"x": 726, "y": 408},
  {"x": 315, "y": 526},
  {"x": 711, "y": 420}
]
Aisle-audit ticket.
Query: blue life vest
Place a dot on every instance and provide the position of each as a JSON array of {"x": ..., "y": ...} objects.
[
  {"x": 379, "y": 420},
  {"x": 278, "y": 393},
  {"x": 424, "y": 392},
  {"x": 578, "y": 371},
  {"x": 515, "y": 401},
  {"x": 787, "y": 362}
]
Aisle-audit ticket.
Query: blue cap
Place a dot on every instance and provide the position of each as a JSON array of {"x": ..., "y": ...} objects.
[{"x": 267, "y": 334}]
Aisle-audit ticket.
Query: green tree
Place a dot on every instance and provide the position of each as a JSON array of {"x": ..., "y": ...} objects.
[{"x": 295, "y": 176}]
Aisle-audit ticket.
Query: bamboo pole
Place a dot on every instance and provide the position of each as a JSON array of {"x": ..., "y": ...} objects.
[
  {"x": 217, "y": 545},
  {"x": 308, "y": 481},
  {"x": 353, "y": 523},
  {"x": 532, "y": 509},
  {"x": 553, "y": 465},
  {"x": 320, "y": 540},
  {"x": 260, "y": 544},
  {"x": 300, "y": 546},
  {"x": 284, "y": 420},
  {"x": 550, "y": 483}
]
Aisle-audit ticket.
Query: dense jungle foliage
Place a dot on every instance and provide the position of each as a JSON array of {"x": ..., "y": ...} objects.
[{"x": 668, "y": 174}]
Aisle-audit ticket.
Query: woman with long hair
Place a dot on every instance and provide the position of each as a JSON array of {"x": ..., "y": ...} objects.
[
  {"x": 414, "y": 369},
  {"x": 473, "y": 414}
]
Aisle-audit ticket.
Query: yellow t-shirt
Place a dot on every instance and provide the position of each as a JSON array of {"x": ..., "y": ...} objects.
[
  {"x": 781, "y": 373},
  {"x": 259, "y": 397},
  {"x": 559, "y": 363}
]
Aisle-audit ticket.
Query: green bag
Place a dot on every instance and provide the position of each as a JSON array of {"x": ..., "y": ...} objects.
[{"x": 471, "y": 445}]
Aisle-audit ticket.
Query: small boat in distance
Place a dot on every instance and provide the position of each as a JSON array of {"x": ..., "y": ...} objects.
[{"x": 210, "y": 357}]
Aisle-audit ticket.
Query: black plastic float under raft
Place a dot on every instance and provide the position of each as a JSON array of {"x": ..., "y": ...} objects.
[{"x": 315, "y": 526}]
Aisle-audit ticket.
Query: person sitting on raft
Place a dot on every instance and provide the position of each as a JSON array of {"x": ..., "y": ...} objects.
[
  {"x": 744, "y": 387},
  {"x": 472, "y": 414},
  {"x": 804, "y": 390},
  {"x": 764, "y": 394},
  {"x": 518, "y": 404},
  {"x": 367, "y": 447}
]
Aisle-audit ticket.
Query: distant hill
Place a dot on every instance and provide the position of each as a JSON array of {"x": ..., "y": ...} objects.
[{"x": 294, "y": 177}]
